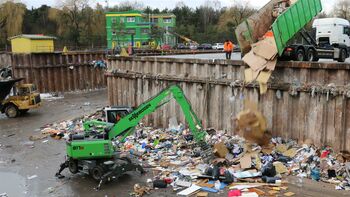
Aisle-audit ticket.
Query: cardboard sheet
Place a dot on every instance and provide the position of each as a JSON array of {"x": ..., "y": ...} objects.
[
  {"x": 246, "y": 174},
  {"x": 280, "y": 167},
  {"x": 263, "y": 88},
  {"x": 255, "y": 62},
  {"x": 264, "y": 77},
  {"x": 271, "y": 65},
  {"x": 241, "y": 187},
  {"x": 249, "y": 194},
  {"x": 189, "y": 191},
  {"x": 250, "y": 75},
  {"x": 246, "y": 161},
  {"x": 266, "y": 48},
  {"x": 290, "y": 153},
  {"x": 220, "y": 150}
]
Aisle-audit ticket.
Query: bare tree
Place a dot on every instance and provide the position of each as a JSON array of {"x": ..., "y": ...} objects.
[
  {"x": 342, "y": 9},
  {"x": 180, "y": 4},
  {"x": 233, "y": 16}
]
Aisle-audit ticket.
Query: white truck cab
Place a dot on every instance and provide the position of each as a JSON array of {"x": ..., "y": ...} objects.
[{"x": 332, "y": 31}]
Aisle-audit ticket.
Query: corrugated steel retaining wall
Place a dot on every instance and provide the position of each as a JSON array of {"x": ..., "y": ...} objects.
[
  {"x": 56, "y": 72},
  {"x": 304, "y": 100},
  {"x": 5, "y": 60}
]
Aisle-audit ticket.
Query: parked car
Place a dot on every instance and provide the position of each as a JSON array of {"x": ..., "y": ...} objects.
[
  {"x": 205, "y": 46},
  {"x": 166, "y": 47},
  {"x": 218, "y": 46},
  {"x": 193, "y": 46},
  {"x": 181, "y": 46}
]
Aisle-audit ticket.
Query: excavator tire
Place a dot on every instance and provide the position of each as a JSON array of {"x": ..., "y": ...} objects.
[
  {"x": 97, "y": 172},
  {"x": 73, "y": 166}
]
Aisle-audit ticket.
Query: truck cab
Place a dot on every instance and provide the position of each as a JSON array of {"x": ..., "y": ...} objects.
[{"x": 332, "y": 31}]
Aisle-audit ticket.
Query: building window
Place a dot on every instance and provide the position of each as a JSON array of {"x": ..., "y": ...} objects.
[
  {"x": 169, "y": 28},
  {"x": 131, "y": 31},
  {"x": 145, "y": 30},
  {"x": 167, "y": 20},
  {"x": 114, "y": 20},
  {"x": 155, "y": 20},
  {"x": 122, "y": 20},
  {"x": 130, "y": 19}
]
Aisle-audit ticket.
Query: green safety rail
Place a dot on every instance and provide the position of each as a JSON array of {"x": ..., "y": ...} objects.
[{"x": 293, "y": 20}]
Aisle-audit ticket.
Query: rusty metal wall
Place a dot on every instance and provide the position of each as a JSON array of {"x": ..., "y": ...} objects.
[
  {"x": 304, "y": 100},
  {"x": 5, "y": 60},
  {"x": 56, "y": 72}
]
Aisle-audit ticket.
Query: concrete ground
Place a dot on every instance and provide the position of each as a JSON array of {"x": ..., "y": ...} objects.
[{"x": 19, "y": 161}]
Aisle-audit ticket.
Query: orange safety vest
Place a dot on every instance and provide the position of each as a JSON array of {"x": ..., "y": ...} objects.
[{"x": 228, "y": 46}]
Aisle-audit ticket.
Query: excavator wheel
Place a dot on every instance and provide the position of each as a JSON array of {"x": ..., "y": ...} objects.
[
  {"x": 97, "y": 172},
  {"x": 73, "y": 166},
  {"x": 11, "y": 111}
]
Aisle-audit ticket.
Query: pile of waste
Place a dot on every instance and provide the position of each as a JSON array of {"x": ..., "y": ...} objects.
[{"x": 242, "y": 167}]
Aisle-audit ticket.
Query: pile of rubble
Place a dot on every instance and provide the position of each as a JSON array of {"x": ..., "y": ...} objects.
[{"x": 241, "y": 167}]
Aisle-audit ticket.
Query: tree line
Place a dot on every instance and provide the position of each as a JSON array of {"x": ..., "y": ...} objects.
[{"x": 79, "y": 25}]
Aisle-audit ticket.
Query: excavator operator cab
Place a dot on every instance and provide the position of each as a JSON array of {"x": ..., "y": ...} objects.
[{"x": 115, "y": 113}]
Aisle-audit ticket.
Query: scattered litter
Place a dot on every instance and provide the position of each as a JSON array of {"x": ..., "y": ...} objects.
[
  {"x": 29, "y": 144},
  {"x": 233, "y": 193},
  {"x": 289, "y": 194},
  {"x": 32, "y": 177},
  {"x": 189, "y": 191},
  {"x": 202, "y": 194},
  {"x": 37, "y": 137},
  {"x": 3, "y": 194},
  {"x": 50, "y": 190},
  {"x": 245, "y": 163},
  {"x": 140, "y": 190},
  {"x": 50, "y": 96}
]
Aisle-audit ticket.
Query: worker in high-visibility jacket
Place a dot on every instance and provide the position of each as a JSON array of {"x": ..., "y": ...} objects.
[{"x": 228, "y": 48}]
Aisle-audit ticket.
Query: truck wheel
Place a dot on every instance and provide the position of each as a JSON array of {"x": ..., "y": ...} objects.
[
  {"x": 11, "y": 111},
  {"x": 300, "y": 56},
  {"x": 342, "y": 56},
  {"x": 73, "y": 166},
  {"x": 310, "y": 55},
  {"x": 96, "y": 173}
]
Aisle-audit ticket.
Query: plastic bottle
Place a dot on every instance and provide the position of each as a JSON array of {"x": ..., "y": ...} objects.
[{"x": 217, "y": 185}]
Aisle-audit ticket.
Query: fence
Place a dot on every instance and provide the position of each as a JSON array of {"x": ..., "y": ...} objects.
[
  {"x": 56, "y": 72},
  {"x": 304, "y": 100}
]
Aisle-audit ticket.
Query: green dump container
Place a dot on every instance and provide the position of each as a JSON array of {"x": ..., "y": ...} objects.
[
  {"x": 284, "y": 27},
  {"x": 293, "y": 20}
]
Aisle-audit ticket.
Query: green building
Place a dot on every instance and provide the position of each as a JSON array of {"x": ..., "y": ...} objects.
[{"x": 142, "y": 30}]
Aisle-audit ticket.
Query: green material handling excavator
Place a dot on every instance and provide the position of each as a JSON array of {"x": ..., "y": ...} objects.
[{"x": 94, "y": 153}]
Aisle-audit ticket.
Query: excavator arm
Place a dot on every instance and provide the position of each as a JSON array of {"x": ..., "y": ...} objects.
[{"x": 125, "y": 126}]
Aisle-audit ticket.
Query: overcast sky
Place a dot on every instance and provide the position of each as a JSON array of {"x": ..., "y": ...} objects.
[{"x": 161, "y": 4}]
